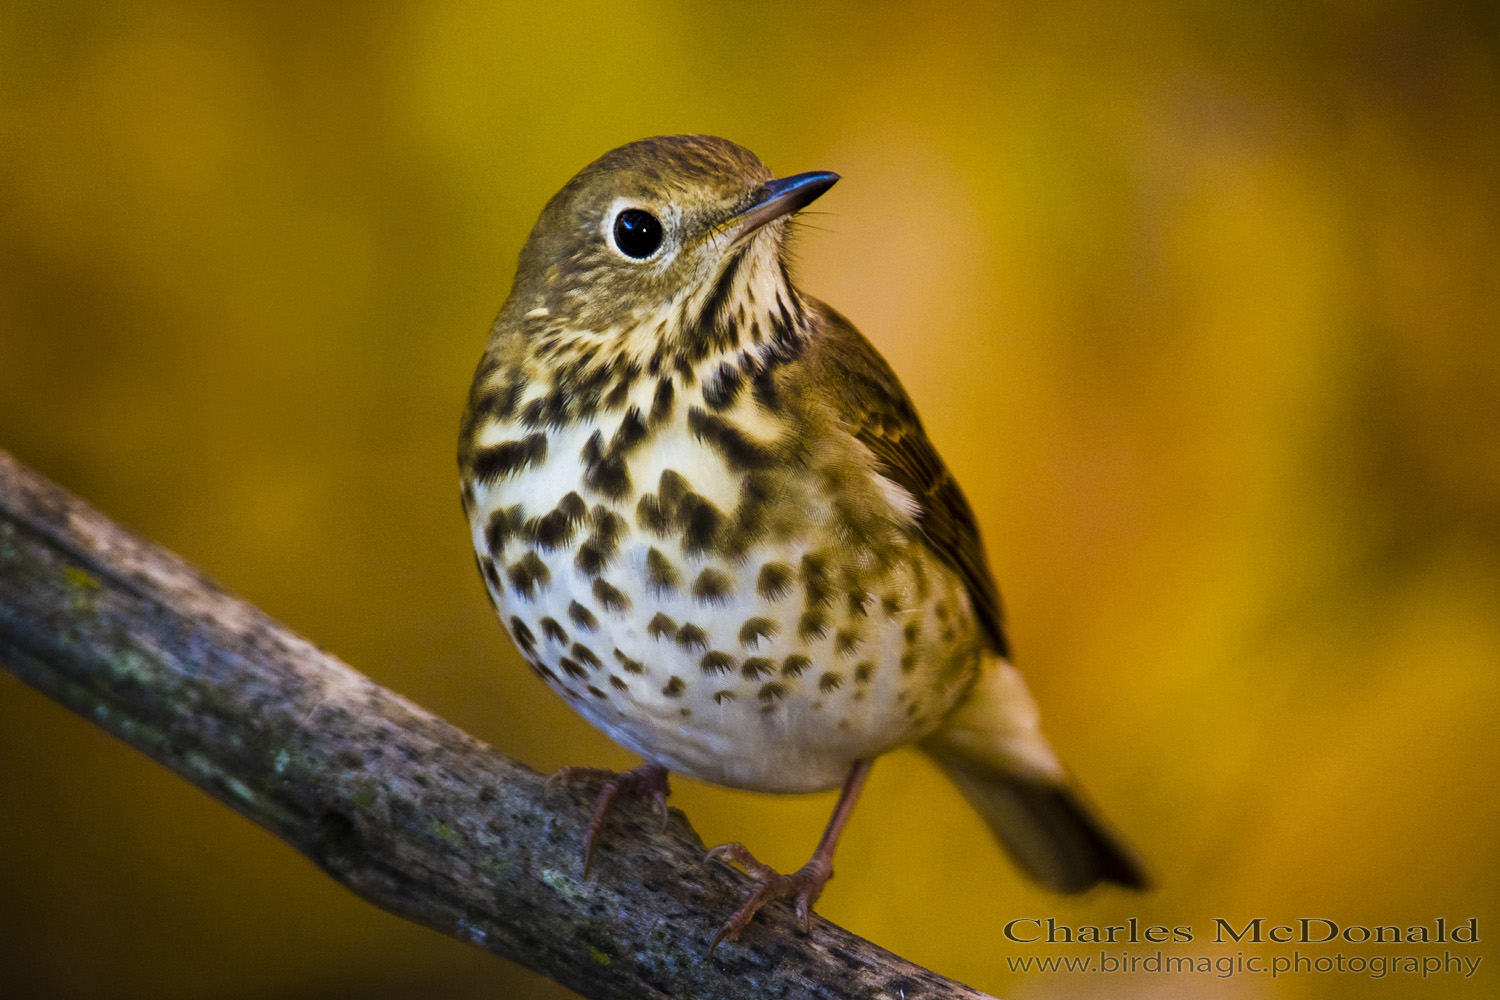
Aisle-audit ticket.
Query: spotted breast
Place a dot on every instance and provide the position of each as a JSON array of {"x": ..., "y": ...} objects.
[{"x": 704, "y": 566}]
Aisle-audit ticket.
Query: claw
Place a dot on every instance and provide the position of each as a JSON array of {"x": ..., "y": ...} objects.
[
  {"x": 571, "y": 775},
  {"x": 802, "y": 886},
  {"x": 649, "y": 779},
  {"x": 659, "y": 799},
  {"x": 714, "y": 944},
  {"x": 723, "y": 852}
]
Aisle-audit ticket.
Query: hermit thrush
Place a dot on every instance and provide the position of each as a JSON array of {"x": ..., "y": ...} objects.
[{"x": 709, "y": 516}]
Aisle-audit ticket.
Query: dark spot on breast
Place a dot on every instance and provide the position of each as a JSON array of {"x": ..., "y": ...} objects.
[
  {"x": 775, "y": 581},
  {"x": 501, "y": 528},
  {"x": 649, "y": 515},
  {"x": 863, "y": 671},
  {"x": 604, "y": 468},
  {"x": 618, "y": 683},
  {"x": 604, "y": 472},
  {"x": 757, "y": 667},
  {"x": 608, "y": 527},
  {"x": 501, "y": 403},
  {"x": 764, "y": 389},
  {"x": 815, "y": 581},
  {"x": 830, "y": 681},
  {"x": 596, "y": 692},
  {"x": 534, "y": 413},
  {"x": 672, "y": 486},
  {"x": 699, "y": 520},
  {"x": 773, "y": 691},
  {"x": 489, "y": 572},
  {"x": 572, "y": 667},
  {"x": 859, "y": 601},
  {"x": 846, "y": 641},
  {"x": 591, "y": 558},
  {"x": 610, "y": 596},
  {"x": 756, "y": 629},
  {"x": 720, "y": 697},
  {"x": 813, "y": 625},
  {"x": 661, "y": 626},
  {"x": 661, "y": 575},
  {"x": 628, "y": 665},
  {"x": 661, "y": 401},
  {"x": 722, "y": 387},
  {"x": 620, "y": 391},
  {"x": 908, "y": 662},
  {"x": 716, "y": 662},
  {"x": 555, "y": 528},
  {"x": 912, "y": 631},
  {"x": 509, "y": 457},
  {"x": 582, "y": 617},
  {"x": 527, "y": 575},
  {"x": 675, "y": 686},
  {"x": 523, "y": 636},
  {"x": 632, "y": 431},
  {"x": 692, "y": 637},
  {"x": 711, "y": 587},
  {"x": 552, "y": 630},
  {"x": 737, "y": 450},
  {"x": 890, "y": 605},
  {"x": 589, "y": 386},
  {"x": 586, "y": 656},
  {"x": 795, "y": 665},
  {"x": 656, "y": 512},
  {"x": 617, "y": 395}
]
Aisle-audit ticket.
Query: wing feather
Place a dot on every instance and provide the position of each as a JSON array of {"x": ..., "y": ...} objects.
[{"x": 877, "y": 411}]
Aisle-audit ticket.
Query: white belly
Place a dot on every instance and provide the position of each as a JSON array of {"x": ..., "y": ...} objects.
[{"x": 708, "y": 663}]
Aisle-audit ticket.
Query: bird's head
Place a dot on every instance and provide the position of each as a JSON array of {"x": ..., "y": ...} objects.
[{"x": 672, "y": 243}]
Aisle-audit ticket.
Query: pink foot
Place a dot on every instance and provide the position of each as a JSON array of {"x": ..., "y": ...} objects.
[
  {"x": 803, "y": 886},
  {"x": 648, "y": 780}
]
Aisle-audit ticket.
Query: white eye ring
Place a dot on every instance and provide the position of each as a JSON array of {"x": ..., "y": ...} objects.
[{"x": 640, "y": 233}]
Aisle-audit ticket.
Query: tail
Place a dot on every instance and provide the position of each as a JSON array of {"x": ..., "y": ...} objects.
[{"x": 993, "y": 749}]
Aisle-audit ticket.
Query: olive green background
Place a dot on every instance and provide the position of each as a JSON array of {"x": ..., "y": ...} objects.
[{"x": 1201, "y": 301}]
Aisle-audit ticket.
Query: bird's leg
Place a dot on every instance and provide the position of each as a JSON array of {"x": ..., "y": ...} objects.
[
  {"x": 648, "y": 780},
  {"x": 804, "y": 885}
]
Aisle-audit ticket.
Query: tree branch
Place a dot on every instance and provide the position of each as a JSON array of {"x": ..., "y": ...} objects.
[{"x": 404, "y": 809}]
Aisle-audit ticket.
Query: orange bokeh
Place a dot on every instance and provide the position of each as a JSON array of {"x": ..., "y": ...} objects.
[{"x": 1199, "y": 301}]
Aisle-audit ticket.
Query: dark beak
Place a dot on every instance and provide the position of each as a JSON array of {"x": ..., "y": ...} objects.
[{"x": 780, "y": 197}]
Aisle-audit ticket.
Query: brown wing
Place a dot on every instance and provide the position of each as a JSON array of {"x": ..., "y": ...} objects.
[{"x": 870, "y": 398}]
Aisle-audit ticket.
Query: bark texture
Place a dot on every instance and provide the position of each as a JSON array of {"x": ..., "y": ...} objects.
[{"x": 410, "y": 813}]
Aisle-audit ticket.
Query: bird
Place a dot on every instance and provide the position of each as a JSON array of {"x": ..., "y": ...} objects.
[{"x": 709, "y": 517}]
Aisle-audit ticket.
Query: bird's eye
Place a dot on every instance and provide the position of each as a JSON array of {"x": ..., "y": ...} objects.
[{"x": 637, "y": 233}]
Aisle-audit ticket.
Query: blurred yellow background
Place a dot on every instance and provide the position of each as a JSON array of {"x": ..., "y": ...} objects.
[{"x": 1200, "y": 301}]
